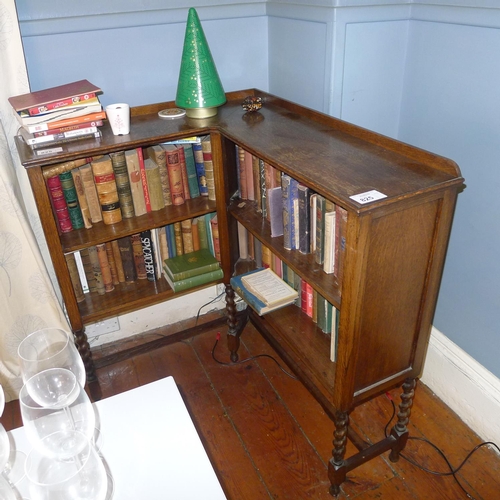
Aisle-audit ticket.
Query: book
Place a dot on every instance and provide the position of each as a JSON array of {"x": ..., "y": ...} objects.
[
  {"x": 248, "y": 163},
  {"x": 154, "y": 185},
  {"x": 107, "y": 279},
  {"x": 206, "y": 146},
  {"x": 329, "y": 252},
  {"x": 202, "y": 232},
  {"x": 200, "y": 279},
  {"x": 82, "y": 198},
  {"x": 81, "y": 271},
  {"x": 214, "y": 223},
  {"x": 287, "y": 212},
  {"x": 60, "y": 115},
  {"x": 312, "y": 220},
  {"x": 192, "y": 176},
  {"x": 158, "y": 155},
  {"x": 241, "y": 172},
  {"x": 269, "y": 287},
  {"x": 135, "y": 181},
  {"x": 184, "y": 173},
  {"x": 89, "y": 272},
  {"x": 170, "y": 234},
  {"x": 304, "y": 201},
  {"x": 118, "y": 261},
  {"x": 275, "y": 201},
  {"x": 104, "y": 178},
  {"x": 138, "y": 254},
  {"x": 87, "y": 177},
  {"x": 149, "y": 255},
  {"x": 34, "y": 140},
  {"x": 71, "y": 197},
  {"x": 294, "y": 195},
  {"x": 242, "y": 241},
  {"x": 119, "y": 164},
  {"x": 44, "y": 100},
  {"x": 59, "y": 205},
  {"x": 263, "y": 203},
  {"x": 263, "y": 290},
  {"x": 187, "y": 236},
  {"x": 112, "y": 263},
  {"x": 174, "y": 174},
  {"x": 69, "y": 128},
  {"x": 189, "y": 265},
  {"x": 74, "y": 276},
  {"x": 179, "y": 247},
  {"x": 319, "y": 255},
  {"x": 40, "y": 127},
  {"x": 196, "y": 234},
  {"x": 200, "y": 168},
  {"x": 96, "y": 270},
  {"x": 144, "y": 179},
  {"x": 127, "y": 255},
  {"x": 256, "y": 183},
  {"x": 164, "y": 252}
]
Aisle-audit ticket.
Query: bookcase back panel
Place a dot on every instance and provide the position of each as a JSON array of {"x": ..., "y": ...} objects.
[{"x": 394, "y": 294}]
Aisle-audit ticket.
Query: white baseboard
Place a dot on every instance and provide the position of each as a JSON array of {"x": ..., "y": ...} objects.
[{"x": 468, "y": 388}]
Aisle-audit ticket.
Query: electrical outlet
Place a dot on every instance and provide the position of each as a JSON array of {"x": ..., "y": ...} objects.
[{"x": 102, "y": 327}]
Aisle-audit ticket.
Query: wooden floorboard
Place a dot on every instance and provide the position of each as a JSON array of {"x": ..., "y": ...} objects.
[{"x": 268, "y": 438}]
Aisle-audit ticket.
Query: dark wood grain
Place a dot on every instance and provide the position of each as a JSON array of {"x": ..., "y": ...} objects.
[{"x": 267, "y": 437}]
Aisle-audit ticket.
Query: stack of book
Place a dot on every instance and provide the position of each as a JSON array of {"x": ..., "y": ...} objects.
[
  {"x": 191, "y": 269},
  {"x": 58, "y": 115}
]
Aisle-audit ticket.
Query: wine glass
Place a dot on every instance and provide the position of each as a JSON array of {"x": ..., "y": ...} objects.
[
  {"x": 53, "y": 403},
  {"x": 50, "y": 348},
  {"x": 80, "y": 475}
]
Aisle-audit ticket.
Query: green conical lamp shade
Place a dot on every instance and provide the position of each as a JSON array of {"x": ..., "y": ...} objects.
[{"x": 199, "y": 90}]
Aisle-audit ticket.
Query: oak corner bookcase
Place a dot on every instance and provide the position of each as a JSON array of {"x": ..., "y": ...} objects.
[{"x": 394, "y": 252}]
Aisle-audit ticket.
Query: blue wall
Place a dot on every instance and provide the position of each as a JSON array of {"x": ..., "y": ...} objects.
[{"x": 425, "y": 72}]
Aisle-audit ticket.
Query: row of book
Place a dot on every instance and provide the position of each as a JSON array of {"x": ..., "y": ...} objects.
[
  {"x": 307, "y": 221},
  {"x": 317, "y": 307},
  {"x": 129, "y": 183},
  {"x": 51, "y": 117},
  {"x": 147, "y": 256}
]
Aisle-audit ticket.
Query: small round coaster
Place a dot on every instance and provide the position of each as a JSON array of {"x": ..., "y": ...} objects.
[{"x": 171, "y": 113}]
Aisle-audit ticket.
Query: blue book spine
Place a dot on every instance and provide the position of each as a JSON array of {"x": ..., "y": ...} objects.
[{"x": 200, "y": 168}]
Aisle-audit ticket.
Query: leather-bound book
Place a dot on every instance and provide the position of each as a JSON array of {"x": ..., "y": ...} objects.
[
  {"x": 127, "y": 254},
  {"x": 91, "y": 195},
  {"x": 158, "y": 155},
  {"x": 135, "y": 181},
  {"x": 75, "y": 277},
  {"x": 187, "y": 236},
  {"x": 107, "y": 278},
  {"x": 123, "y": 184},
  {"x": 96, "y": 269},
  {"x": 140, "y": 266},
  {"x": 59, "y": 205},
  {"x": 104, "y": 178},
  {"x": 82, "y": 198},
  {"x": 154, "y": 185},
  {"x": 174, "y": 174}
]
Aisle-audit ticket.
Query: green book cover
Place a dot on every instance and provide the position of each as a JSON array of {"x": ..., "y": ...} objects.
[
  {"x": 192, "y": 176},
  {"x": 202, "y": 232},
  {"x": 200, "y": 279},
  {"x": 190, "y": 264}
]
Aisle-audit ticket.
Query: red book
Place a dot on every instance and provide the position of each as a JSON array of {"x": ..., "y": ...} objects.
[
  {"x": 59, "y": 204},
  {"x": 144, "y": 179},
  {"x": 175, "y": 174},
  {"x": 309, "y": 298},
  {"x": 303, "y": 296},
  {"x": 69, "y": 128},
  {"x": 52, "y": 96},
  {"x": 185, "y": 184}
]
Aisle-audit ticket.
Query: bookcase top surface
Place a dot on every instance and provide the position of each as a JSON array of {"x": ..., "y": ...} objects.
[{"x": 327, "y": 154}]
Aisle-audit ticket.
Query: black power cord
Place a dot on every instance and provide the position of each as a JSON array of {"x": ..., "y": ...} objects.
[
  {"x": 251, "y": 358},
  {"x": 453, "y": 472}
]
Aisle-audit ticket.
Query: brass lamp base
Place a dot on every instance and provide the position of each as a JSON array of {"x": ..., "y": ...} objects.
[{"x": 201, "y": 112}]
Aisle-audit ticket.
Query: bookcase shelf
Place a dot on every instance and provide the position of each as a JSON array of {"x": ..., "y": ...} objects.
[
  {"x": 245, "y": 212},
  {"x": 100, "y": 232},
  {"x": 395, "y": 248}
]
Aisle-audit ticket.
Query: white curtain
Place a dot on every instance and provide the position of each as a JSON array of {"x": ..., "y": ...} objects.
[{"x": 27, "y": 297}]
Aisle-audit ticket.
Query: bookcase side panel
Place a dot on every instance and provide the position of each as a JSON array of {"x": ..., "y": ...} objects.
[
  {"x": 401, "y": 249},
  {"x": 50, "y": 230}
]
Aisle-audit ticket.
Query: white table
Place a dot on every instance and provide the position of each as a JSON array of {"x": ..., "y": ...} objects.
[{"x": 151, "y": 446}]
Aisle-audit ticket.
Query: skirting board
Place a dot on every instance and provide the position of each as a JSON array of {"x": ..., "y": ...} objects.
[{"x": 468, "y": 388}]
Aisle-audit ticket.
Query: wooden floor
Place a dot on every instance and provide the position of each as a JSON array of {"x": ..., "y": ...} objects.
[{"x": 268, "y": 439}]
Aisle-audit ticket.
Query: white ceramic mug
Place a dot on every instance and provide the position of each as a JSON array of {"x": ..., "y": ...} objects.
[{"x": 119, "y": 118}]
